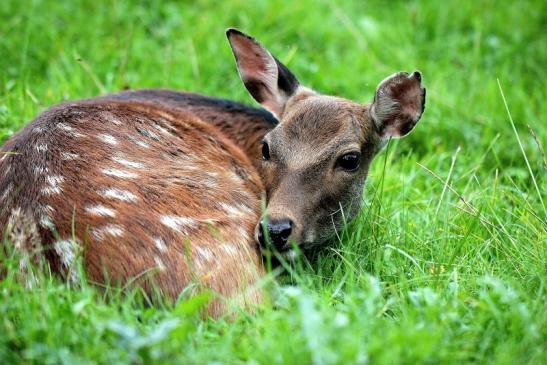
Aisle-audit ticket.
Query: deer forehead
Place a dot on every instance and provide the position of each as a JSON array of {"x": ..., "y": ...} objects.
[
  {"x": 316, "y": 128},
  {"x": 321, "y": 118}
]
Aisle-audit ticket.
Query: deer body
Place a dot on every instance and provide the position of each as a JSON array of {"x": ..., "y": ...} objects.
[
  {"x": 242, "y": 124},
  {"x": 169, "y": 182},
  {"x": 142, "y": 188}
]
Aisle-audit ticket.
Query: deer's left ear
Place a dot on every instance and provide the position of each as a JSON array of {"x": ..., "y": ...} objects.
[
  {"x": 398, "y": 104},
  {"x": 267, "y": 80}
]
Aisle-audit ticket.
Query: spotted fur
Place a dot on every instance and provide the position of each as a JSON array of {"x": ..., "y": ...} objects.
[
  {"x": 135, "y": 212},
  {"x": 163, "y": 188}
]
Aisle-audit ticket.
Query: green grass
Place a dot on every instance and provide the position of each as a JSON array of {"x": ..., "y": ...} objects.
[{"x": 446, "y": 263}]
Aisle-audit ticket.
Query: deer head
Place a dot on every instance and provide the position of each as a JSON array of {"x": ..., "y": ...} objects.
[{"x": 316, "y": 160}]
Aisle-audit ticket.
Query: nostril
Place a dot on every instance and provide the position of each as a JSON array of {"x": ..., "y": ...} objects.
[
  {"x": 285, "y": 229},
  {"x": 280, "y": 231}
]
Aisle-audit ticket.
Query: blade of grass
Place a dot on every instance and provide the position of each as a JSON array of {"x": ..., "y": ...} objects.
[{"x": 521, "y": 147}]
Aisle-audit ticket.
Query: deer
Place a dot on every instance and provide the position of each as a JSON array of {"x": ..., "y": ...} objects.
[{"x": 164, "y": 188}]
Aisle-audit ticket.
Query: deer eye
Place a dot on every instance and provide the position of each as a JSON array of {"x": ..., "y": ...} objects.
[
  {"x": 265, "y": 151},
  {"x": 350, "y": 161}
]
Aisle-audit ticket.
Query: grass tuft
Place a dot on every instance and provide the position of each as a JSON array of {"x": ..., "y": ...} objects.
[{"x": 446, "y": 263}]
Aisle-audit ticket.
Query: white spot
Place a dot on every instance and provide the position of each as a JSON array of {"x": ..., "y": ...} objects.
[
  {"x": 127, "y": 163},
  {"x": 112, "y": 119},
  {"x": 147, "y": 133},
  {"x": 138, "y": 142},
  {"x": 205, "y": 254},
  {"x": 107, "y": 138},
  {"x": 3, "y": 156},
  {"x": 188, "y": 165},
  {"x": 119, "y": 173},
  {"x": 70, "y": 130},
  {"x": 113, "y": 230},
  {"x": 211, "y": 174},
  {"x": 211, "y": 184},
  {"x": 7, "y": 170},
  {"x": 235, "y": 177},
  {"x": 210, "y": 220},
  {"x": 179, "y": 224},
  {"x": 41, "y": 170},
  {"x": 119, "y": 194},
  {"x": 100, "y": 210},
  {"x": 230, "y": 249},
  {"x": 54, "y": 179},
  {"x": 159, "y": 263},
  {"x": 44, "y": 215},
  {"x": 236, "y": 210},
  {"x": 49, "y": 190},
  {"x": 67, "y": 251},
  {"x": 47, "y": 208},
  {"x": 37, "y": 130},
  {"x": 46, "y": 222},
  {"x": 23, "y": 234},
  {"x": 69, "y": 156},
  {"x": 65, "y": 127},
  {"x": 42, "y": 147},
  {"x": 6, "y": 192},
  {"x": 162, "y": 130},
  {"x": 76, "y": 112},
  {"x": 53, "y": 185},
  {"x": 160, "y": 244},
  {"x": 208, "y": 179}
]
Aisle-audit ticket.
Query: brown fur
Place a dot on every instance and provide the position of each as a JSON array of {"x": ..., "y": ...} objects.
[
  {"x": 165, "y": 187},
  {"x": 304, "y": 181},
  {"x": 301, "y": 178},
  {"x": 187, "y": 171},
  {"x": 242, "y": 124}
]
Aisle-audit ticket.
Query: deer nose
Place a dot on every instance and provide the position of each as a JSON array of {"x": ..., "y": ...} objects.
[{"x": 278, "y": 231}]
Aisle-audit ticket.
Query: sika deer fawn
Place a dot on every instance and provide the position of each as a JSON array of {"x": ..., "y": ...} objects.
[{"x": 170, "y": 181}]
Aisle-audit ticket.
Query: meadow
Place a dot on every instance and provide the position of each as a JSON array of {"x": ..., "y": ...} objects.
[{"x": 446, "y": 262}]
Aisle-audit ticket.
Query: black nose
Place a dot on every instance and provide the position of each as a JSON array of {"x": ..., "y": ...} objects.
[{"x": 278, "y": 231}]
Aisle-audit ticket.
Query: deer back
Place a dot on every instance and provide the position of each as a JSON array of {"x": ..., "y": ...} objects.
[{"x": 143, "y": 191}]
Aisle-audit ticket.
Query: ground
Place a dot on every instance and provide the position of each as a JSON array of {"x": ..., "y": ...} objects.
[{"x": 446, "y": 263}]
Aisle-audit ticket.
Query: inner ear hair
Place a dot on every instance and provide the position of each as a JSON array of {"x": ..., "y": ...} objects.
[
  {"x": 398, "y": 104},
  {"x": 268, "y": 81}
]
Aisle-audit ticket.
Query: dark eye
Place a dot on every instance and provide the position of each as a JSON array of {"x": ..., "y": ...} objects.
[
  {"x": 265, "y": 151},
  {"x": 350, "y": 161}
]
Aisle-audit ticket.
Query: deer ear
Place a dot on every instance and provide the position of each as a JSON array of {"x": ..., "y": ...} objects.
[
  {"x": 267, "y": 80},
  {"x": 398, "y": 104}
]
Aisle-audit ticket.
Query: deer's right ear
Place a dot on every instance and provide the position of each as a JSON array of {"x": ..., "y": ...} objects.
[
  {"x": 398, "y": 104},
  {"x": 267, "y": 80}
]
